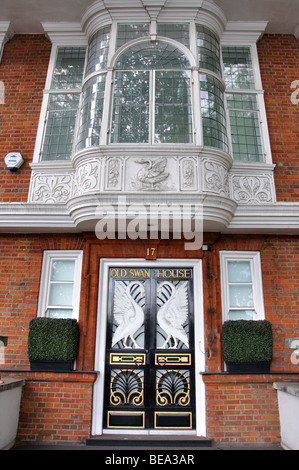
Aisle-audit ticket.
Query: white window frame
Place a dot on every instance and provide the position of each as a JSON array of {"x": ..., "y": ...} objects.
[
  {"x": 113, "y": 55},
  {"x": 49, "y": 257},
  {"x": 257, "y": 284},
  {"x": 247, "y": 35},
  {"x": 61, "y": 35}
]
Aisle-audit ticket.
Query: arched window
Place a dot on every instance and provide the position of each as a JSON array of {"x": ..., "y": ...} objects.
[{"x": 152, "y": 95}]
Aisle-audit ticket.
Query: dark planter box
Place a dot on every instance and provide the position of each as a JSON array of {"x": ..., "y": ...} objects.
[
  {"x": 248, "y": 367},
  {"x": 53, "y": 366}
]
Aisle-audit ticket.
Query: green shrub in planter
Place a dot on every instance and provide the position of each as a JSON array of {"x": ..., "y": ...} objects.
[
  {"x": 53, "y": 341},
  {"x": 247, "y": 345}
]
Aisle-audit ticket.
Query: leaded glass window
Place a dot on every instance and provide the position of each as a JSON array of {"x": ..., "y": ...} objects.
[
  {"x": 243, "y": 104},
  {"x": 179, "y": 32},
  {"x": 213, "y": 113},
  {"x": 238, "y": 68},
  {"x": 245, "y": 128},
  {"x": 91, "y": 112},
  {"x": 68, "y": 71},
  {"x": 208, "y": 50},
  {"x": 60, "y": 128},
  {"x": 153, "y": 55},
  {"x": 98, "y": 51},
  {"x": 130, "y": 119},
  {"x": 173, "y": 111},
  {"x": 152, "y": 97},
  {"x": 63, "y": 103},
  {"x": 128, "y": 32}
]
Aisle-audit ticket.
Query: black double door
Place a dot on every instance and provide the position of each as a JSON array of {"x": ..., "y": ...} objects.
[{"x": 149, "y": 373}]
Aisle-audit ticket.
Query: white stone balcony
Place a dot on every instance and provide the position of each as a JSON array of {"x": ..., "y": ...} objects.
[{"x": 150, "y": 175}]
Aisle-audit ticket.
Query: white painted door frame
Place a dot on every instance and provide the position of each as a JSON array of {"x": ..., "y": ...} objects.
[{"x": 199, "y": 347}]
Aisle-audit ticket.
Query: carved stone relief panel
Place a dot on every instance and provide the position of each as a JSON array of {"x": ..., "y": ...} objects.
[
  {"x": 151, "y": 174},
  {"x": 253, "y": 189},
  {"x": 113, "y": 173},
  {"x": 50, "y": 189},
  {"x": 215, "y": 178},
  {"x": 87, "y": 178},
  {"x": 188, "y": 174}
]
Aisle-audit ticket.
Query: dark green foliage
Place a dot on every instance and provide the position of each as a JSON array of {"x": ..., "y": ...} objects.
[
  {"x": 247, "y": 341},
  {"x": 53, "y": 339}
]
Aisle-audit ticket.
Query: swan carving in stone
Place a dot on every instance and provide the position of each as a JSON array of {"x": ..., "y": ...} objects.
[
  {"x": 128, "y": 314},
  {"x": 173, "y": 314},
  {"x": 153, "y": 172}
]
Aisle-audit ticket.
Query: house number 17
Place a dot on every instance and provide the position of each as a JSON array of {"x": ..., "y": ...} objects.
[{"x": 151, "y": 252}]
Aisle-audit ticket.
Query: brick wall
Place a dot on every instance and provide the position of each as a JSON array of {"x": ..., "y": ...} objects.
[
  {"x": 279, "y": 63},
  {"x": 23, "y": 69},
  {"x": 20, "y": 269},
  {"x": 280, "y": 265},
  {"x": 58, "y": 407},
  {"x": 243, "y": 408}
]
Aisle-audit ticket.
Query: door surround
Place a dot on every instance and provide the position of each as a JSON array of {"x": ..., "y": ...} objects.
[{"x": 100, "y": 349}]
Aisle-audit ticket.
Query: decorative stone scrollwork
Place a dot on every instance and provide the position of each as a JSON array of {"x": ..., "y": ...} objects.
[
  {"x": 51, "y": 188},
  {"x": 215, "y": 178},
  {"x": 113, "y": 174},
  {"x": 86, "y": 178},
  {"x": 188, "y": 175},
  {"x": 252, "y": 189}
]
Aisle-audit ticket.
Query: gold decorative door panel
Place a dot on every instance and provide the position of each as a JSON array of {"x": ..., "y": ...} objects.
[{"x": 149, "y": 379}]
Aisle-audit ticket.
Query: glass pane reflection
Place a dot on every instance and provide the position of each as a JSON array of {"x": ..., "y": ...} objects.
[{"x": 153, "y": 55}]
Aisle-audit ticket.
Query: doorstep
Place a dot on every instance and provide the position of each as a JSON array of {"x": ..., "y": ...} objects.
[{"x": 150, "y": 441}]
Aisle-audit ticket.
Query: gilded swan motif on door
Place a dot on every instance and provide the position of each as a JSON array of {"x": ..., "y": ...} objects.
[
  {"x": 128, "y": 314},
  {"x": 173, "y": 314}
]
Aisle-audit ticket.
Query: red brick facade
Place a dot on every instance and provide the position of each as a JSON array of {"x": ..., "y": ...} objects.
[
  {"x": 279, "y": 63},
  {"x": 29, "y": 55},
  {"x": 23, "y": 69},
  {"x": 58, "y": 407},
  {"x": 230, "y": 399}
]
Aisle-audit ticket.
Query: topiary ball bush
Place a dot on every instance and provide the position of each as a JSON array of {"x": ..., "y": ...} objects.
[
  {"x": 247, "y": 341},
  {"x": 53, "y": 339}
]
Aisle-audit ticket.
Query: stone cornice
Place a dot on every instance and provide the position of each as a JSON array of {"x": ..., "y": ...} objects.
[
  {"x": 279, "y": 218},
  {"x": 6, "y": 33},
  {"x": 65, "y": 33},
  {"x": 243, "y": 32}
]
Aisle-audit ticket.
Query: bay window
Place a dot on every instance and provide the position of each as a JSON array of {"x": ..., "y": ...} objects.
[
  {"x": 151, "y": 87},
  {"x": 154, "y": 83}
]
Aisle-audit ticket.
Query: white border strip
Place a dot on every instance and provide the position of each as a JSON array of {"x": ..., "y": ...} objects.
[{"x": 196, "y": 265}]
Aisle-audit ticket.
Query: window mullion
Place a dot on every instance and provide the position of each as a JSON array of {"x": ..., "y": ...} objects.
[
  {"x": 107, "y": 115},
  {"x": 152, "y": 108}
]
